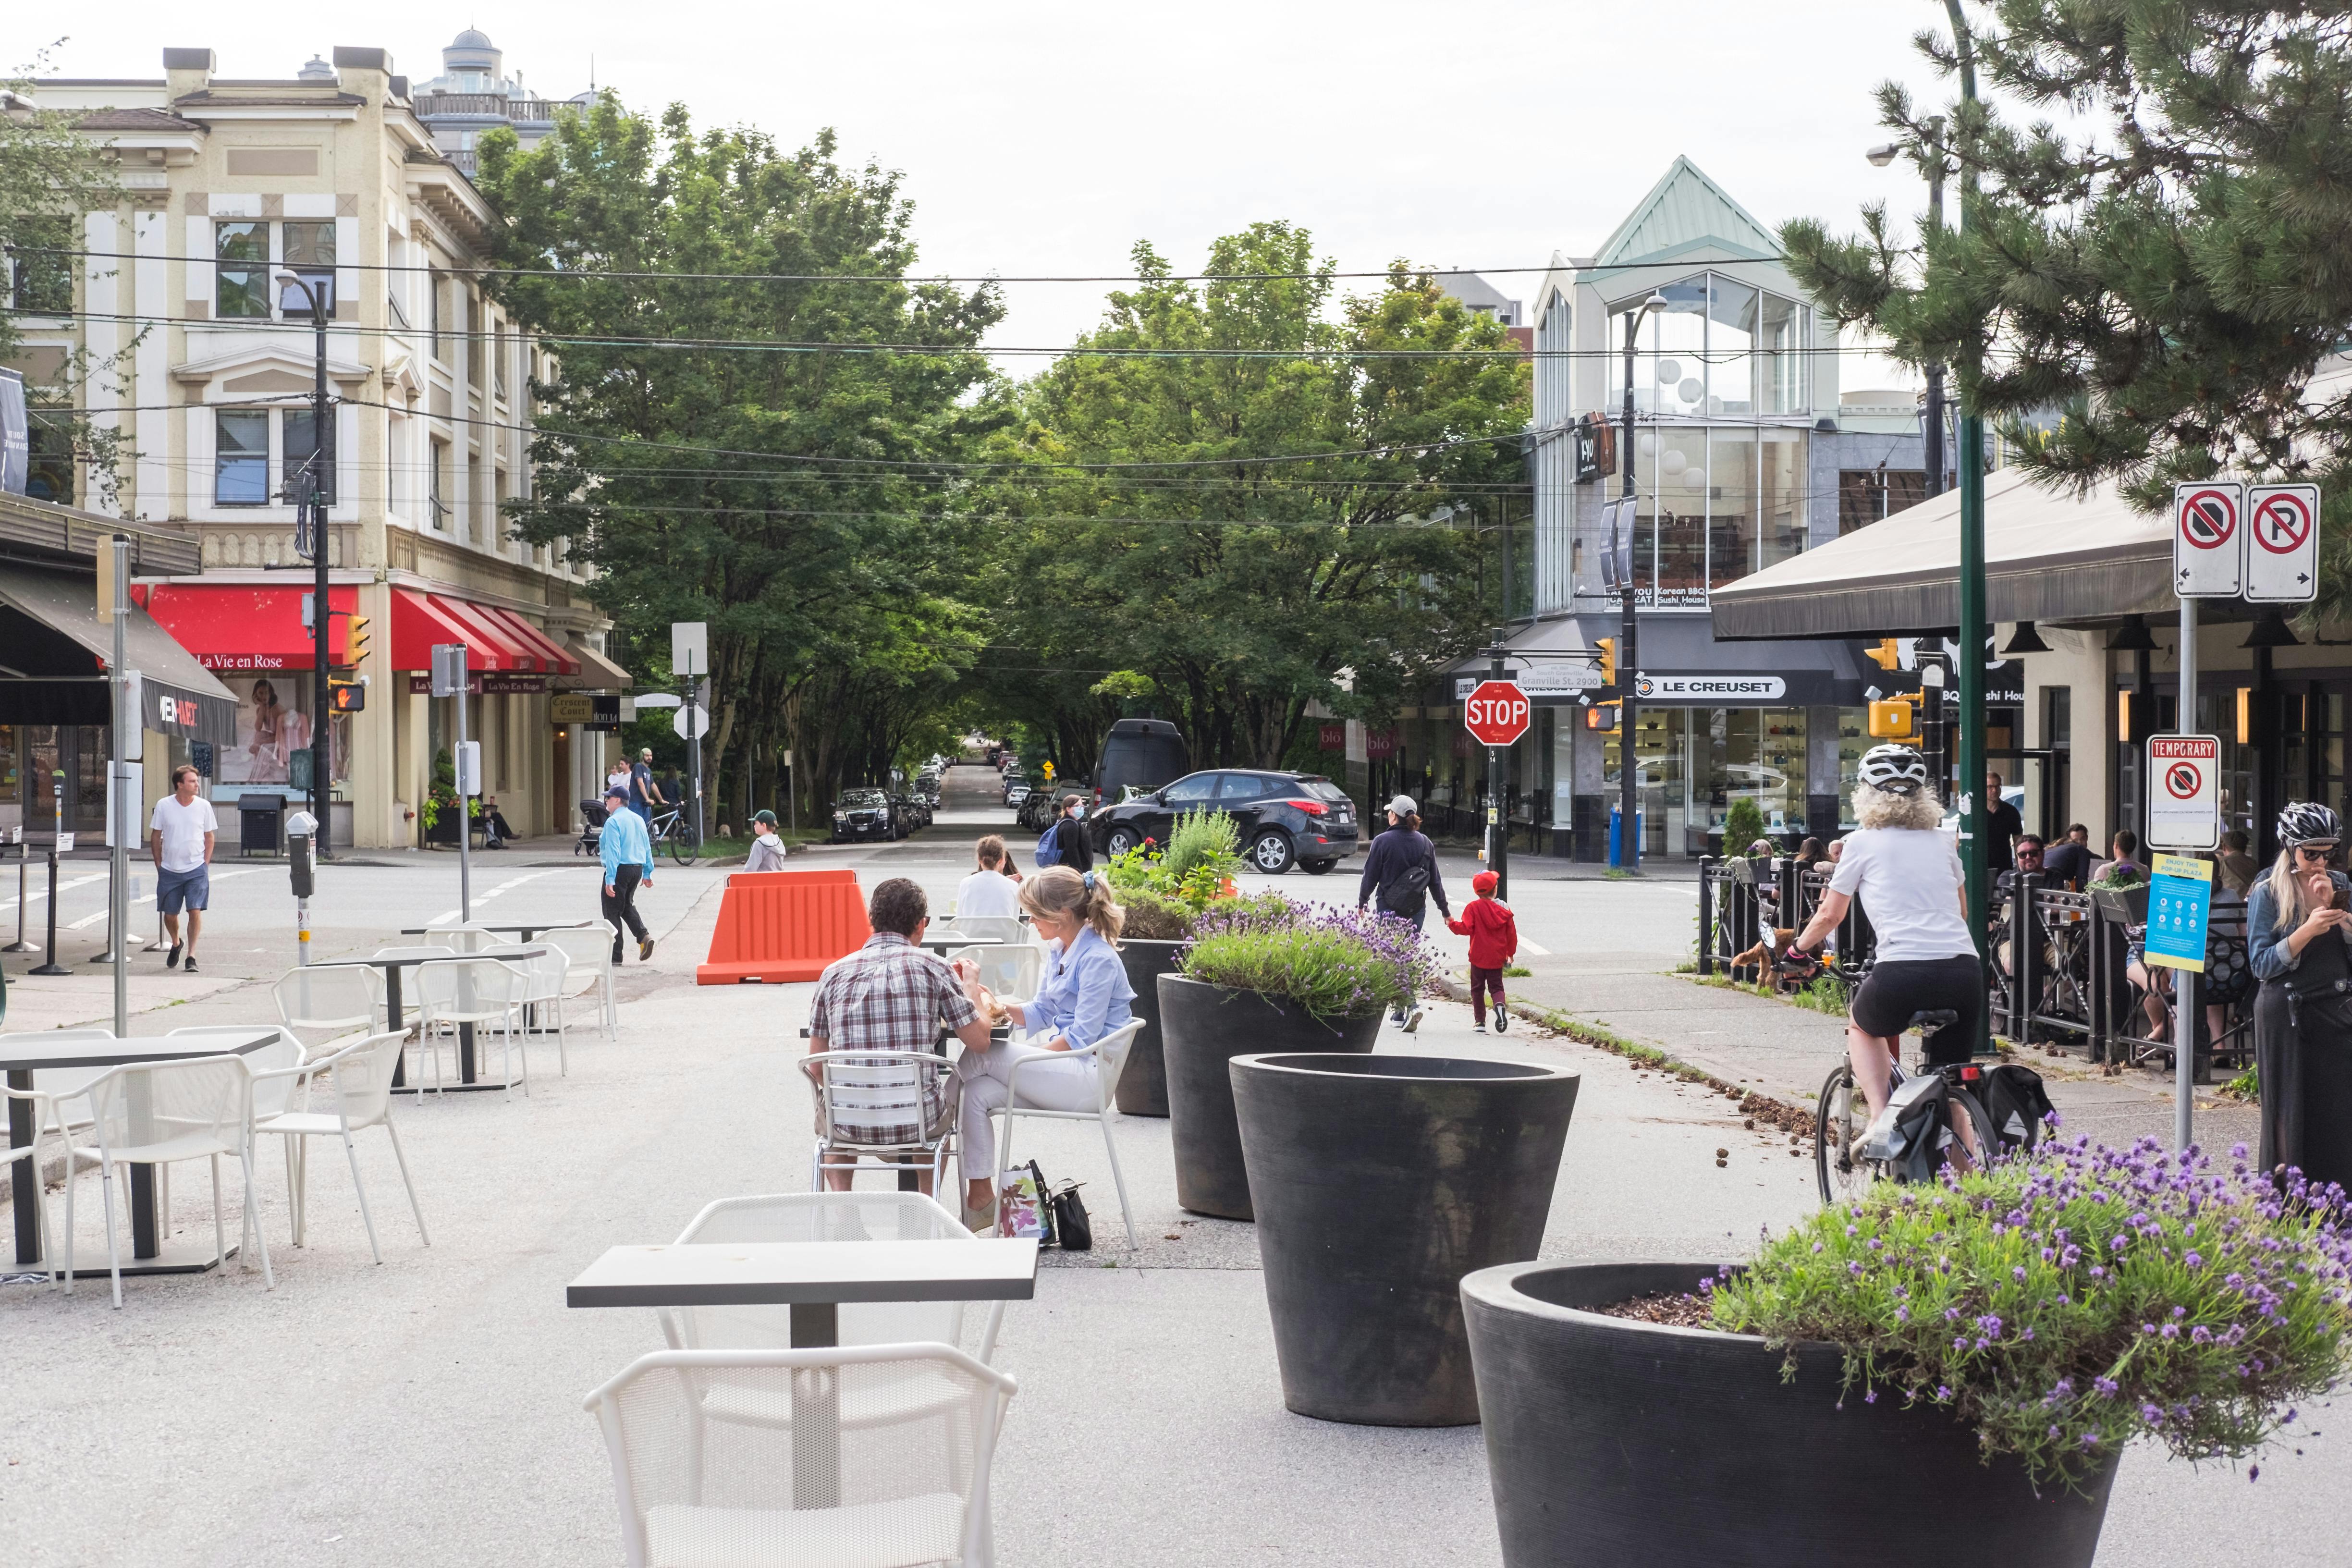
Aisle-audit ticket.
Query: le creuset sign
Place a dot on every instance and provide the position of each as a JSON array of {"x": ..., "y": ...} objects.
[{"x": 1726, "y": 688}]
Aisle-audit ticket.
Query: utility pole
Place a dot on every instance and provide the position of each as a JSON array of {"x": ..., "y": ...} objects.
[
  {"x": 1498, "y": 790},
  {"x": 124, "y": 792},
  {"x": 313, "y": 504},
  {"x": 1973, "y": 632}
]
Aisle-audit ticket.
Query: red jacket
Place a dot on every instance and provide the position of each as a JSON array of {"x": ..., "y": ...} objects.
[{"x": 1493, "y": 931}]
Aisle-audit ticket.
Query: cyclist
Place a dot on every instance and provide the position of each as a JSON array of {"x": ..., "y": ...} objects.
[
  {"x": 2298, "y": 931},
  {"x": 1908, "y": 876}
]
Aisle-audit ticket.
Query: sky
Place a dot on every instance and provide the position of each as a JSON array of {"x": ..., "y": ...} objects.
[{"x": 1040, "y": 138}]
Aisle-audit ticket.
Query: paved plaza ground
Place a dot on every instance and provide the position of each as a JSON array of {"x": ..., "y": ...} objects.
[{"x": 427, "y": 1411}]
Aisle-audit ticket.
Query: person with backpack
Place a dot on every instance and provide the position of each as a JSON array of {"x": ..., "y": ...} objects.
[
  {"x": 1064, "y": 843},
  {"x": 1401, "y": 877},
  {"x": 1494, "y": 934}
]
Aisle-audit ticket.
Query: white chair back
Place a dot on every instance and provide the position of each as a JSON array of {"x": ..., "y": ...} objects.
[
  {"x": 359, "y": 1078},
  {"x": 821, "y": 1217},
  {"x": 1111, "y": 1057},
  {"x": 57, "y": 1085},
  {"x": 544, "y": 976},
  {"x": 1009, "y": 930},
  {"x": 462, "y": 939},
  {"x": 469, "y": 990},
  {"x": 862, "y": 1095},
  {"x": 878, "y": 1454},
  {"x": 325, "y": 998},
  {"x": 588, "y": 950},
  {"x": 1011, "y": 973},
  {"x": 151, "y": 1112},
  {"x": 271, "y": 1096}
]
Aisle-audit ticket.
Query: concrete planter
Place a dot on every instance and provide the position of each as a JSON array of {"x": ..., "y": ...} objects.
[
  {"x": 1378, "y": 1182},
  {"x": 1204, "y": 1027},
  {"x": 1611, "y": 1442},
  {"x": 1143, "y": 1084}
]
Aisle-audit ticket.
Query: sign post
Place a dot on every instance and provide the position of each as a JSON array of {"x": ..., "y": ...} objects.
[
  {"x": 1497, "y": 713},
  {"x": 2183, "y": 813},
  {"x": 450, "y": 680},
  {"x": 690, "y": 660}
]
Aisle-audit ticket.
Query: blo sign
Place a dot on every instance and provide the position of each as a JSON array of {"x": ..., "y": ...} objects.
[{"x": 1496, "y": 713}]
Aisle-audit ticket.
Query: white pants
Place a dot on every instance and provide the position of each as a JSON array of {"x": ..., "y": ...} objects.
[{"x": 1049, "y": 1080}]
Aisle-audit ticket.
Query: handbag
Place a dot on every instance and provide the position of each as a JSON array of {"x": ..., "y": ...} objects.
[{"x": 1073, "y": 1231}]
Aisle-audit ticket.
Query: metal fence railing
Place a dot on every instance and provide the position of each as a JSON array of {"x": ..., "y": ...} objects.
[{"x": 2063, "y": 969}]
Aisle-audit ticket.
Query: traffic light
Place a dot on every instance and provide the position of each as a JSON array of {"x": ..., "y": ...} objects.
[
  {"x": 1883, "y": 654},
  {"x": 346, "y": 696},
  {"x": 1602, "y": 716},
  {"x": 1607, "y": 648},
  {"x": 355, "y": 636},
  {"x": 1891, "y": 719}
]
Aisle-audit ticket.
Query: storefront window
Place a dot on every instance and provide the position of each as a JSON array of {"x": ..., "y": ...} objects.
[
  {"x": 1853, "y": 740},
  {"x": 273, "y": 722}
]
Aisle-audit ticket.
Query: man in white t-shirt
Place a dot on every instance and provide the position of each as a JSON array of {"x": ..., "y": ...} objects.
[{"x": 180, "y": 836}]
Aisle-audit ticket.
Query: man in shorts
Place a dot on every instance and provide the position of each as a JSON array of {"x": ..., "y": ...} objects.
[{"x": 179, "y": 838}]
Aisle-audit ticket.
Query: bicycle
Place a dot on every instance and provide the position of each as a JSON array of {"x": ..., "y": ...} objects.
[{"x": 671, "y": 827}]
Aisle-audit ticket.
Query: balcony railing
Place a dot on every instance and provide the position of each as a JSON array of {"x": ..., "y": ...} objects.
[{"x": 495, "y": 104}]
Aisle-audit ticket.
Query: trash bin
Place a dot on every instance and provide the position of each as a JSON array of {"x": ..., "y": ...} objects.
[
  {"x": 1617, "y": 854},
  {"x": 260, "y": 819}
]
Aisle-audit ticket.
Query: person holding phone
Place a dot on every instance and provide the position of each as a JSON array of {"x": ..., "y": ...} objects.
[{"x": 2299, "y": 945}]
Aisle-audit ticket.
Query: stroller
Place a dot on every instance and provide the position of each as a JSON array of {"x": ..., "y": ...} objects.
[{"x": 592, "y": 824}]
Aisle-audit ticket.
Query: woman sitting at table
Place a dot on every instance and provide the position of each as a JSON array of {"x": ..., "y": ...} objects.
[{"x": 1085, "y": 997}]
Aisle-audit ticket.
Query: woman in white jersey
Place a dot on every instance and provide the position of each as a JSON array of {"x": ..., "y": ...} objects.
[{"x": 1907, "y": 871}]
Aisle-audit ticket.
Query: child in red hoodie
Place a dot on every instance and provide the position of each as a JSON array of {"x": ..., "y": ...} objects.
[{"x": 1493, "y": 934}]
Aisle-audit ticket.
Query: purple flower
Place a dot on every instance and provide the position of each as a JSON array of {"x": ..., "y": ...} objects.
[
  {"x": 2105, "y": 1387},
  {"x": 1942, "y": 1392}
]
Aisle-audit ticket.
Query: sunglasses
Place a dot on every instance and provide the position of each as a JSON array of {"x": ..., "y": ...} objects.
[{"x": 2315, "y": 851}]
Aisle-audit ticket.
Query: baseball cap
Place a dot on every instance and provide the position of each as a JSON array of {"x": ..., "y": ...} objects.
[
  {"x": 767, "y": 816},
  {"x": 1403, "y": 805},
  {"x": 1484, "y": 882}
]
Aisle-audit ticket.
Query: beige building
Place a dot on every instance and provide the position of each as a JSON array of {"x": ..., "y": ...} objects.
[{"x": 331, "y": 175}]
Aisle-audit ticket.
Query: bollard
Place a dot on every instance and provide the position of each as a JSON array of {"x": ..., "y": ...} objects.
[
  {"x": 1707, "y": 867},
  {"x": 23, "y": 857},
  {"x": 52, "y": 966}
]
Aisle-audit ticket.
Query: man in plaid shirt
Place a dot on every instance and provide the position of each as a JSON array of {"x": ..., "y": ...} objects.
[{"x": 890, "y": 995}]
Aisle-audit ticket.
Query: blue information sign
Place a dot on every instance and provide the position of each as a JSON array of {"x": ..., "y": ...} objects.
[{"x": 2177, "y": 901}]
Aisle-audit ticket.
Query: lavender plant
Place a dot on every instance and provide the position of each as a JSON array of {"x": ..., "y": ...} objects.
[
  {"x": 1335, "y": 963},
  {"x": 2065, "y": 1304}
]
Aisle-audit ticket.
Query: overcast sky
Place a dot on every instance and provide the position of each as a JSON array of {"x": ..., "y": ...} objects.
[{"x": 1048, "y": 138}]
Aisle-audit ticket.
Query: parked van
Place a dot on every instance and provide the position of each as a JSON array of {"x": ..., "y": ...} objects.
[{"x": 1139, "y": 755}]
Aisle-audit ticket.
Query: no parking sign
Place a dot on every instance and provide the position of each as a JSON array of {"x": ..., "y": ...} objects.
[
  {"x": 2283, "y": 543},
  {"x": 2183, "y": 792}
]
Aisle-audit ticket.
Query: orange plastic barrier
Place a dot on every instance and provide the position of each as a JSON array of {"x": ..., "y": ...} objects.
[{"x": 778, "y": 926}]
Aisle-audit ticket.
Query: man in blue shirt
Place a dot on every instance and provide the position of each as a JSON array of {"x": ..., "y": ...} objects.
[{"x": 628, "y": 856}]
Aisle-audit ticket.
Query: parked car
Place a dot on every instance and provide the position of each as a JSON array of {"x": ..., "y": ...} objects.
[
  {"x": 1285, "y": 818},
  {"x": 865, "y": 813},
  {"x": 911, "y": 813},
  {"x": 1037, "y": 812},
  {"x": 1015, "y": 795},
  {"x": 1139, "y": 755}
]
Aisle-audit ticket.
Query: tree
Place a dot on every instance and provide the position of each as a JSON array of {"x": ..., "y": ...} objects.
[
  {"x": 2167, "y": 281},
  {"x": 741, "y": 450},
  {"x": 1219, "y": 501}
]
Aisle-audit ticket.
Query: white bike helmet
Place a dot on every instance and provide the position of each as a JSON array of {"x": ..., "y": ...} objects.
[
  {"x": 2308, "y": 822},
  {"x": 1897, "y": 770}
]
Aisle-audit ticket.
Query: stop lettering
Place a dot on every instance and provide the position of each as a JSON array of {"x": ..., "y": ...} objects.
[{"x": 1496, "y": 713}]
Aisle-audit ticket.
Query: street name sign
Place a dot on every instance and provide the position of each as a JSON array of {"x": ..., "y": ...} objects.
[
  {"x": 2281, "y": 533},
  {"x": 2208, "y": 545},
  {"x": 2183, "y": 792},
  {"x": 1496, "y": 713}
]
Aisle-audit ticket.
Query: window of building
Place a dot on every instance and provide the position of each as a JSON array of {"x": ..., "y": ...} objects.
[
  {"x": 241, "y": 456},
  {"x": 1719, "y": 347},
  {"x": 432, "y": 313},
  {"x": 40, "y": 272},
  {"x": 499, "y": 361},
  {"x": 477, "y": 350},
  {"x": 1872, "y": 495},
  {"x": 49, "y": 462},
  {"x": 241, "y": 270},
  {"x": 300, "y": 450},
  {"x": 310, "y": 255},
  {"x": 439, "y": 498}
]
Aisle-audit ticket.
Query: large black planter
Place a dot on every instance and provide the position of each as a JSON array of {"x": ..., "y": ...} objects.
[
  {"x": 1143, "y": 1084},
  {"x": 1378, "y": 1182},
  {"x": 1611, "y": 1442},
  {"x": 1204, "y": 1027}
]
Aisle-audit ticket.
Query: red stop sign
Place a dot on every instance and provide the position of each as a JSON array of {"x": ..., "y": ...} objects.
[{"x": 1496, "y": 713}]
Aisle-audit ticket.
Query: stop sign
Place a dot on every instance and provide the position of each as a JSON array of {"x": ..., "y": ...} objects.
[{"x": 1496, "y": 713}]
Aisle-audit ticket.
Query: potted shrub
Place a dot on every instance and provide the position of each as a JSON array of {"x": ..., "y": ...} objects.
[
  {"x": 1378, "y": 1182},
  {"x": 1993, "y": 1341},
  {"x": 2122, "y": 894},
  {"x": 1163, "y": 890},
  {"x": 1263, "y": 974}
]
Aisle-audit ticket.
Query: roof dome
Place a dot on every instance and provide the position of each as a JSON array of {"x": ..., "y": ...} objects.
[
  {"x": 471, "y": 50},
  {"x": 471, "y": 38},
  {"x": 316, "y": 71}
]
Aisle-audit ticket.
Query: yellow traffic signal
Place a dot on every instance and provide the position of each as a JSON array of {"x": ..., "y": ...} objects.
[
  {"x": 1883, "y": 654},
  {"x": 1891, "y": 720},
  {"x": 1608, "y": 650},
  {"x": 355, "y": 643}
]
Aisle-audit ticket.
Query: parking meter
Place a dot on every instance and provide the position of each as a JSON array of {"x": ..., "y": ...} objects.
[{"x": 302, "y": 860}]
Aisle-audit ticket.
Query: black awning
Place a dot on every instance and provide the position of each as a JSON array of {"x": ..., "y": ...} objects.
[{"x": 53, "y": 656}]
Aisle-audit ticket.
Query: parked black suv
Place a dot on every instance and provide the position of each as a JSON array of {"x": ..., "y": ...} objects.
[
  {"x": 1283, "y": 818},
  {"x": 865, "y": 814}
]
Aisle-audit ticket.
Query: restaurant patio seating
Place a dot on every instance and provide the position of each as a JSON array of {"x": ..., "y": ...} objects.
[
  {"x": 1014, "y": 971},
  {"x": 331, "y": 1000},
  {"x": 478, "y": 991},
  {"x": 1109, "y": 1057},
  {"x": 798, "y": 1491},
  {"x": 1010, "y": 929},
  {"x": 427, "y": 1045},
  {"x": 863, "y": 1094},
  {"x": 153, "y": 1113},
  {"x": 30, "y": 1154},
  {"x": 359, "y": 1079},
  {"x": 590, "y": 950},
  {"x": 543, "y": 980}
]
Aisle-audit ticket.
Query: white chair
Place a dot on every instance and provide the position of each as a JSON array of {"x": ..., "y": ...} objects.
[
  {"x": 62, "y": 1089},
  {"x": 543, "y": 985},
  {"x": 152, "y": 1113},
  {"x": 462, "y": 939},
  {"x": 1007, "y": 971},
  {"x": 1010, "y": 929},
  {"x": 826, "y": 1216},
  {"x": 1109, "y": 1057},
  {"x": 589, "y": 947},
  {"x": 359, "y": 1076},
  {"x": 332, "y": 1000},
  {"x": 42, "y": 1114},
  {"x": 892, "y": 1107},
  {"x": 411, "y": 1013},
  {"x": 477, "y": 990},
  {"x": 806, "y": 1487}
]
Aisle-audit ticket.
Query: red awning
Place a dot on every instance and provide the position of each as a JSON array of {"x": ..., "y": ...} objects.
[
  {"x": 512, "y": 652},
  {"x": 419, "y": 620},
  {"x": 236, "y": 627},
  {"x": 553, "y": 657}
]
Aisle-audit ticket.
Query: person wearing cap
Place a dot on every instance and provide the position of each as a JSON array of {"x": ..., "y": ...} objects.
[
  {"x": 767, "y": 849},
  {"x": 628, "y": 852},
  {"x": 1494, "y": 934},
  {"x": 1401, "y": 877}
]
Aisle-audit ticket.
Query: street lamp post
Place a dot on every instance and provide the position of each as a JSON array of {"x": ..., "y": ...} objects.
[
  {"x": 314, "y": 506},
  {"x": 1629, "y": 781}
]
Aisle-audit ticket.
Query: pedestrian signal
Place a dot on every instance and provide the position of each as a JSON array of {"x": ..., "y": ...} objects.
[
  {"x": 1608, "y": 650},
  {"x": 1891, "y": 720},
  {"x": 1601, "y": 715},
  {"x": 346, "y": 697}
]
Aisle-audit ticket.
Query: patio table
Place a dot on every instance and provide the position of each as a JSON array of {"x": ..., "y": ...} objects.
[
  {"x": 811, "y": 1278},
  {"x": 395, "y": 1009},
  {"x": 939, "y": 941},
  {"x": 21, "y": 1055}
]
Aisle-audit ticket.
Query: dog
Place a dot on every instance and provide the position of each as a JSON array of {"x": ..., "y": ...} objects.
[{"x": 1765, "y": 958}]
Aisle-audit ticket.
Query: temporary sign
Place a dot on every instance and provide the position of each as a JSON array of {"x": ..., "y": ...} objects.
[
  {"x": 2179, "y": 896},
  {"x": 1496, "y": 713},
  {"x": 2208, "y": 552},
  {"x": 2283, "y": 543},
  {"x": 2183, "y": 794}
]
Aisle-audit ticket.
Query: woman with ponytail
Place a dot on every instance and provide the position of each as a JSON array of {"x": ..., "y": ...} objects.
[{"x": 1085, "y": 997}]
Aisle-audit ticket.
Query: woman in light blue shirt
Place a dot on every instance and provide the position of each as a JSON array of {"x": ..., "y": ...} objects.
[{"x": 1085, "y": 997}]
